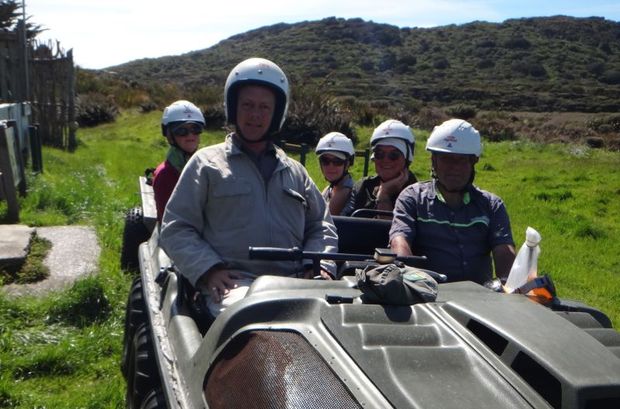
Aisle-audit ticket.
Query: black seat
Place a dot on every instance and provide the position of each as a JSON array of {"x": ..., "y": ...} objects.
[{"x": 359, "y": 235}]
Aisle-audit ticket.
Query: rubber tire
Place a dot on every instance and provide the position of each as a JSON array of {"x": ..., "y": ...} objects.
[
  {"x": 143, "y": 374},
  {"x": 135, "y": 315},
  {"x": 155, "y": 400},
  {"x": 134, "y": 234}
]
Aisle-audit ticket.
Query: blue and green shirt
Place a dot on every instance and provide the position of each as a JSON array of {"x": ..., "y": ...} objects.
[{"x": 457, "y": 242}]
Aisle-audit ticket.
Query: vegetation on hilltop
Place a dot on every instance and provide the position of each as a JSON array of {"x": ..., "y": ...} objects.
[
  {"x": 484, "y": 72},
  {"x": 533, "y": 64}
]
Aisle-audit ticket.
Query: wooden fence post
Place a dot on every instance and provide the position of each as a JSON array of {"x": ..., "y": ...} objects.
[{"x": 8, "y": 168}]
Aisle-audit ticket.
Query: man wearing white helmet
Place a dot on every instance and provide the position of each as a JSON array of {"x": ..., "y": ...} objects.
[
  {"x": 455, "y": 224},
  {"x": 181, "y": 123},
  {"x": 245, "y": 192},
  {"x": 336, "y": 154},
  {"x": 392, "y": 145}
]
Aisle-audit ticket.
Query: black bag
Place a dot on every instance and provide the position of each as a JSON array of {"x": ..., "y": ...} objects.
[{"x": 396, "y": 285}]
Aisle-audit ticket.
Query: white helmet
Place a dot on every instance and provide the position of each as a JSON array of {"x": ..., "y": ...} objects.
[
  {"x": 394, "y": 129},
  {"x": 181, "y": 111},
  {"x": 336, "y": 142},
  {"x": 257, "y": 71},
  {"x": 455, "y": 136}
]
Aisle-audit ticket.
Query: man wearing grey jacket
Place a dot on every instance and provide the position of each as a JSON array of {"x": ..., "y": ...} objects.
[{"x": 245, "y": 192}]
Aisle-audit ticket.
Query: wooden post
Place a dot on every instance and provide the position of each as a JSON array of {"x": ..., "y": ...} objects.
[{"x": 7, "y": 168}]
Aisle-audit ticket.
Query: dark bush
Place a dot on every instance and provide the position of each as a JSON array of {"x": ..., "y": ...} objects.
[
  {"x": 485, "y": 63},
  {"x": 428, "y": 117},
  {"x": 495, "y": 128},
  {"x": 517, "y": 43},
  {"x": 441, "y": 63},
  {"x": 532, "y": 68},
  {"x": 215, "y": 117},
  {"x": 313, "y": 112},
  {"x": 94, "y": 108},
  {"x": 462, "y": 111},
  {"x": 611, "y": 77},
  {"x": 148, "y": 106},
  {"x": 605, "y": 124}
]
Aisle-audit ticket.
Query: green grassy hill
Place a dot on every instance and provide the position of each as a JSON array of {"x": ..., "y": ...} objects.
[
  {"x": 63, "y": 351},
  {"x": 533, "y": 64}
]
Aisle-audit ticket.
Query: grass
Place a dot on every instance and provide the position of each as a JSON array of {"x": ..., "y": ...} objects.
[
  {"x": 63, "y": 350},
  {"x": 33, "y": 269}
]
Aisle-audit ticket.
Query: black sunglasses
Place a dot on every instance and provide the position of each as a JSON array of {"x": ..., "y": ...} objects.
[
  {"x": 184, "y": 130},
  {"x": 392, "y": 155},
  {"x": 326, "y": 161}
]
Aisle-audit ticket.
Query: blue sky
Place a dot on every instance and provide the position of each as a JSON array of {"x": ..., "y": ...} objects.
[{"x": 104, "y": 33}]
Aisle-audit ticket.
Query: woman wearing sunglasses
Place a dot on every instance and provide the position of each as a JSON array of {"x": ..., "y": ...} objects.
[
  {"x": 181, "y": 124},
  {"x": 336, "y": 154},
  {"x": 392, "y": 145}
]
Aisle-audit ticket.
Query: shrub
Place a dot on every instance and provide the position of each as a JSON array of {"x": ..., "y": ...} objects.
[
  {"x": 94, "y": 108},
  {"x": 215, "y": 117},
  {"x": 605, "y": 124},
  {"x": 441, "y": 63},
  {"x": 428, "y": 117},
  {"x": 313, "y": 113},
  {"x": 462, "y": 111},
  {"x": 611, "y": 77},
  {"x": 496, "y": 128}
]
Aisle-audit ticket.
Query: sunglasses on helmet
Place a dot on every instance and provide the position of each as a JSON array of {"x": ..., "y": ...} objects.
[
  {"x": 184, "y": 130},
  {"x": 392, "y": 155},
  {"x": 327, "y": 161}
]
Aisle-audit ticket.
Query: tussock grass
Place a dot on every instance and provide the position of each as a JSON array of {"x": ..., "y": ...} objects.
[{"x": 63, "y": 350}]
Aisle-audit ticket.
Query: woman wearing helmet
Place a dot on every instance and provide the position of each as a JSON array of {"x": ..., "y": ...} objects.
[
  {"x": 336, "y": 154},
  {"x": 456, "y": 225},
  {"x": 181, "y": 124},
  {"x": 392, "y": 144},
  {"x": 245, "y": 192}
]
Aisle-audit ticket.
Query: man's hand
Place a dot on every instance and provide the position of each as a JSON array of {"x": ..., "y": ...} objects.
[
  {"x": 393, "y": 187},
  {"x": 218, "y": 281}
]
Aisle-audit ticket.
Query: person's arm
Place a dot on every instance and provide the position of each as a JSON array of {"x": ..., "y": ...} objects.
[
  {"x": 390, "y": 189},
  {"x": 183, "y": 223},
  {"x": 400, "y": 246},
  {"x": 403, "y": 229},
  {"x": 503, "y": 257},
  {"x": 339, "y": 199}
]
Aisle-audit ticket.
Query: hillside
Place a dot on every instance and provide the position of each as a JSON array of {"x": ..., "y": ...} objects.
[{"x": 532, "y": 64}]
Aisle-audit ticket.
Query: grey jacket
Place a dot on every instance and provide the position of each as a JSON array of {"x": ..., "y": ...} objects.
[{"x": 221, "y": 206}]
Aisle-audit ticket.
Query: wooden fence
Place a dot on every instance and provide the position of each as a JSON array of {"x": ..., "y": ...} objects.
[{"x": 46, "y": 78}]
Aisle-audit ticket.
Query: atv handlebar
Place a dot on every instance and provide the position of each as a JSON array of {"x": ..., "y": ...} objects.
[{"x": 295, "y": 253}]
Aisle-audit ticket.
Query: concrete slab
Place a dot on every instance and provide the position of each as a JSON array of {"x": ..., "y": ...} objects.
[
  {"x": 14, "y": 245},
  {"x": 75, "y": 253}
]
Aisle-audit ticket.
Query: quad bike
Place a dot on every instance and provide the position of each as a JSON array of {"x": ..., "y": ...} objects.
[{"x": 295, "y": 343}]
